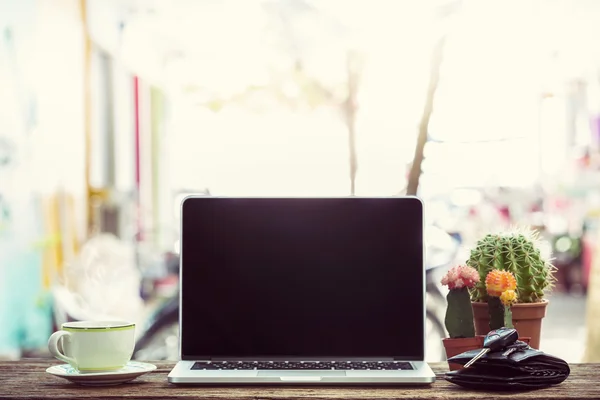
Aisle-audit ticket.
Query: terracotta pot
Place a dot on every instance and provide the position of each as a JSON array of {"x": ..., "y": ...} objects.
[
  {"x": 527, "y": 319},
  {"x": 454, "y": 347}
]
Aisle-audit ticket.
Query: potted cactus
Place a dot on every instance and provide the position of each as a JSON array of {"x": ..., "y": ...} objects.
[
  {"x": 459, "y": 312},
  {"x": 501, "y": 286},
  {"x": 519, "y": 253}
]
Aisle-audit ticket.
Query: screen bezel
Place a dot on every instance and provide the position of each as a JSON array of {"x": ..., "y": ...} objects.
[{"x": 415, "y": 201}]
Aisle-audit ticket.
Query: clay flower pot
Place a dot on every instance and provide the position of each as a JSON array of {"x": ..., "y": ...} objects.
[
  {"x": 457, "y": 346},
  {"x": 527, "y": 320}
]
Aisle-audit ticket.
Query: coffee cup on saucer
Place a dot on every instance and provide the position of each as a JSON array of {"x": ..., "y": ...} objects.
[{"x": 94, "y": 346}]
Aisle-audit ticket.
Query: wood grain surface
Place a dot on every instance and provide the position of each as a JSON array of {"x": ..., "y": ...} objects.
[{"x": 27, "y": 379}]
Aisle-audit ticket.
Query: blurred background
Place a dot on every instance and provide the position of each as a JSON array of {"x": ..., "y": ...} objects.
[{"x": 112, "y": 111}]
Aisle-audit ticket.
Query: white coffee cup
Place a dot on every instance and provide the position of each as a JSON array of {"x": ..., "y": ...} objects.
[{"x": 94, "y": 346}]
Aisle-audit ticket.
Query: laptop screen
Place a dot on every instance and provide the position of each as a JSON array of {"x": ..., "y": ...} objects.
[{"x": 302, "y": 277}]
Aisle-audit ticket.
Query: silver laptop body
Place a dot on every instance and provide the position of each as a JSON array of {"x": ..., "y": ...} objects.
[{"x": 307, "y": 291}]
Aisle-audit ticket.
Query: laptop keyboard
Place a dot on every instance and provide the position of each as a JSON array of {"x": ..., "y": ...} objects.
[{"x": 335, "y": 365}]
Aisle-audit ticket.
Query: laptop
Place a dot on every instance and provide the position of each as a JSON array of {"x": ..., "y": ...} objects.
[{"x": 302, "y": 291}]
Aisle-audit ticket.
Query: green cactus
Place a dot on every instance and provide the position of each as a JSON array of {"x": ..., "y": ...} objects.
[
  {"x": 459, "y": 314},
  {"x": 496, "y": 311},
  {"x": 500, "y": 315},
  {"x": 517, "y": 253},
  {"x": 508, "y": 322}
]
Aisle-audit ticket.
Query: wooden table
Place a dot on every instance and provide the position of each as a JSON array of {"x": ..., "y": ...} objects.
[{"x": 27, "y": 379}]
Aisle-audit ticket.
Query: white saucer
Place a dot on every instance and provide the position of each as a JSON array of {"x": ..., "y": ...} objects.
[{"x": 132, "y": 370}]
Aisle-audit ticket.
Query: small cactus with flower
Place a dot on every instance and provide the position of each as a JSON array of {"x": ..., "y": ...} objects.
[
  {"x": 501, "y": 289},
  {"x": 459, "y": 313},
  {"x": 519, "y": 252}
]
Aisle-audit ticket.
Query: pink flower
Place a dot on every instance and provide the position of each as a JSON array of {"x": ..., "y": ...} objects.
[{"x": 460, "y": 276}]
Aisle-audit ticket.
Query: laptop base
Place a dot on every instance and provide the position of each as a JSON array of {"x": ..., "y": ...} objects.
[{"x": 183, "y": 374}]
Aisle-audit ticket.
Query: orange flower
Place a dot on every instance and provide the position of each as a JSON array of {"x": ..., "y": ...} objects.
[{"x": 498, "y": 281}]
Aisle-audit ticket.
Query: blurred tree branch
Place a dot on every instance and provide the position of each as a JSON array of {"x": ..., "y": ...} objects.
[
  {"x": 444, "y": 12},
  {"x": 353, "y": 70},
  {"x": 416, "y": 167}
]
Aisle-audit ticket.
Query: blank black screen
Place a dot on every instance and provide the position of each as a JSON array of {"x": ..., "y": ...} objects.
[{"x": 304, "y": 277}]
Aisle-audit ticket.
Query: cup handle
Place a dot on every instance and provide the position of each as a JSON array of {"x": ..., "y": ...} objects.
[{"x": 53, "y": 347}]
